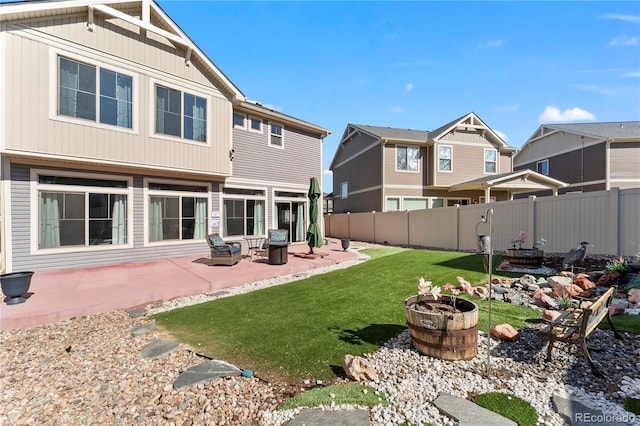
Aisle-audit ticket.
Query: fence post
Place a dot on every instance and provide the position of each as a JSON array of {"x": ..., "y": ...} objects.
[
  {"x": 613, "y": 221},
  {"x": 349, "y": 225},
  {"x": 530, "y": 224},
  {"x": 373, "y": 224},
  {"x": 456, "y": 228}
]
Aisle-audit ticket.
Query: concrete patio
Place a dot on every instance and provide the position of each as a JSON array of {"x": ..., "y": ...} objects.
[{"x": 60, "y": 295}]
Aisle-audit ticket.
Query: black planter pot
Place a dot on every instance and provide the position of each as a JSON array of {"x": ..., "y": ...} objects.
[
  {"x": 15, "y": 285},
  {"x": 345, "y": 243}
]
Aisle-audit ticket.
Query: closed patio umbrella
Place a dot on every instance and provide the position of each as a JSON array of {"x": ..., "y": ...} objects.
[{"x": 314, "y": 237}]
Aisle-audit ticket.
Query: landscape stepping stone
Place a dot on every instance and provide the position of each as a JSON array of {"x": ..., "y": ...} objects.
[
  {"x": 205, "y": 371},
  {"x": 158, "y": 348},
  {"x": 355, "y": 417},
  {"x": 469, "y": 414},
  {"x": 137, "y": 312},
  {"x": 143, "y": 329},
  {"x": 578, "y": 414}
]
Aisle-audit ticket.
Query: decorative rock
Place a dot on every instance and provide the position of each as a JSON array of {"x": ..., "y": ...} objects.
[
  {"x": 137, "y": 312},
  {"x": 618, "y": 301},
  {"x": 561, "y": 285},
  {"x": 358, "y": 368},
  {"x": 505, "y": 332},
  {"x": 616, "y": 309},
  {"x": 247, "y": 373},
  {"x": 527, "y": 280},
  {"x": 584, "y": 283},
  {"x": 533, "y": 287},
  {"x": 549, "y": 315},
  {"x": 543, "y": 300},
  {"x": 634, "y": 295}
]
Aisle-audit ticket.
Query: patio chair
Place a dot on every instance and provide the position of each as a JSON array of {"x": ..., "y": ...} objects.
[{"x": 223, "y": 253}]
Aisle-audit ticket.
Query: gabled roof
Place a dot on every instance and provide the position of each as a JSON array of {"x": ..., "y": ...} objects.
[
  {"x": 424, "y": 137},
  {"x": 258, "y": 109},
  {"x": 614, "y": 131},
  {"x": 520, "y": 181},
  {"x": 23, "y": 10}
]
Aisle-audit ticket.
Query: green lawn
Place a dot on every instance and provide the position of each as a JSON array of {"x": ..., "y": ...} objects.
[{"x": 304, "y": 328}]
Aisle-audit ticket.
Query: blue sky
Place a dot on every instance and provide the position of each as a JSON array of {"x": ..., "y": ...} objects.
[{"x": 419, "y": 65}]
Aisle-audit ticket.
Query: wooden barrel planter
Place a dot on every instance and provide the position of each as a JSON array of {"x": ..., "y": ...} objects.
[
  {"x": 452, "y": 336},
  {"x": 525, "y": 258}
]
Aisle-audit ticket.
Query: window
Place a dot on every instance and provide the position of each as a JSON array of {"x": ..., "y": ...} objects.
[
  {"x": 238, "y": 120},
  {"x": 437, "y": 202},
  {"x": 393, "y": 204},
  {"x": 490, "y": 161},
  {"x": 344, "y": 190},
  {"x": 170, "y": 119},
  {"x": 77, "y": 95},
  {"x": 81, "y": 212},
  {"x": 415, "y": 203},
  {"x": 276, "y": 135},
  {"x": 177, "y": 212},
  {"x": 407, "y": 158},
  {"x": 255, "y": 124},
  {"x": 244, "y": 212},
  {"x": 445, "y": 157},
  {"x": 452, "y": 202},
  {"x": 542, "y": 167}
]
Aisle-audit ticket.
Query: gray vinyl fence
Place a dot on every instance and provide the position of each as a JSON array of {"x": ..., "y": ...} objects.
[{"x": 606, "y": 219}]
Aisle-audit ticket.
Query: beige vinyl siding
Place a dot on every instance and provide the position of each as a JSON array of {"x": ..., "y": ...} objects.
[
  {"x": 295, "y": 163},
  {"x": 32, "y": 70},
  {"x": 504, "y": 162},
  {"x": 468, "y": 164},
  {"x": 21, "y": 214},
  {"x": 394, "y": 177},
  {"x": 625, "y": 163}
]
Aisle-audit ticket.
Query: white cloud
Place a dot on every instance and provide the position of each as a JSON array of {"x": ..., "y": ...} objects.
[
  {"x": 595, "y": 89},
  {"x": 396, "y": 110},
  {"x": 627, "y": 18},
  {"x": 633, "y": 74},
  {"x": 624, "y": 41},
  {"x": 408, "y": 87},
  {"x": 490, "y": 44},
  {"x": 553, "y": 114},
  {"x": 327, "y": 172},
  {"x": 502, "y": 135}
]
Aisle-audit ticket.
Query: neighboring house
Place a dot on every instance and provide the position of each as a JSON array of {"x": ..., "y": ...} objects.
[
  {"x": 588, "y": 156},
  {"x": 118, "y": 142},
  {"x": 463, "y": 162}
]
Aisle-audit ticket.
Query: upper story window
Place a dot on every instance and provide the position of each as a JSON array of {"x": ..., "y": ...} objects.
[
  {"x": 344, "y": 190},
  {"x": 490, "y": 161},
  {"x": 78, "y": 95},
  {"x": 170, "y": 119},
  {"x": 255, "y": 124},
  {"x": 445, "y": 158},
  {"x": 407, "y": 158},
  {"x": 275, "y": 137},
  {"x": 542, "y": 167},
  {"x": 238, "y": 121}
]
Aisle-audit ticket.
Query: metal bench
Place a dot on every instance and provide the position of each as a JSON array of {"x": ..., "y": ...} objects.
[{"x": 575, "y": 324}]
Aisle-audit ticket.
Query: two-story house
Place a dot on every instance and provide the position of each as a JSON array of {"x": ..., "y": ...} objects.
[
  {"x": 462, "y": 162},
  {"x": 120, "y": 140},
  {"x": 588, "y": 156}
]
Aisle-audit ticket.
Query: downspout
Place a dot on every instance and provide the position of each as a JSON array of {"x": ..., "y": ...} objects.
[
  {"x": 607, "y": 165},
  {"x": 383, "y": 204}
]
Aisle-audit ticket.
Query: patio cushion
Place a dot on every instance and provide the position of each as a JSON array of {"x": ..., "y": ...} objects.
[
  {"x": 216, "y": 240},
  {"x": 224, "y": 250}
]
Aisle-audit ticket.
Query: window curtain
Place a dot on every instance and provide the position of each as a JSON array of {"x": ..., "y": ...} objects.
[
  {"x": 119, "y": 219},
  {"x": 300, "y": 228},
  {"x": 200, "y": 228},
  {"x": 161, "y": 107},
  {"x": 50, "y": 219},
  {"x": 200, "y": 120},
  {"x": 155, "y": 221},
  {"x": 224, "y": 219},
  {"x": 123, "y": 94},
  {"x": 258, "y": 218}
]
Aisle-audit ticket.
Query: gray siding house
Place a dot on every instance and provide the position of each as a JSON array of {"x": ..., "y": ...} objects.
[
  {"x": 118, "y": 142},
  {"x": 587, "y": 156},
  {"x": 462, "y": 162}
]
